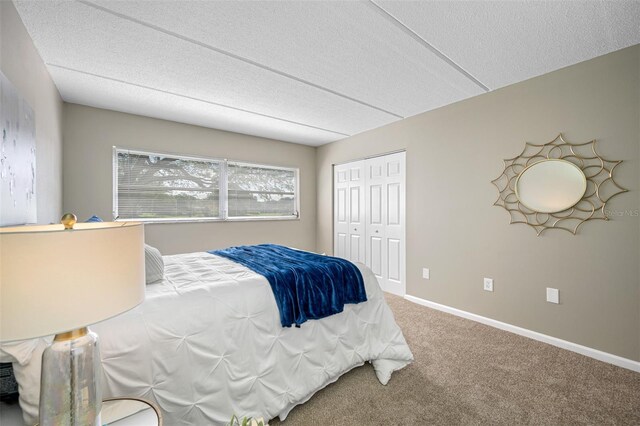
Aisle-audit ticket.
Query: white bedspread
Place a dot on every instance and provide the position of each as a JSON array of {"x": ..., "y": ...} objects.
[{"x": 207, "y": 343}]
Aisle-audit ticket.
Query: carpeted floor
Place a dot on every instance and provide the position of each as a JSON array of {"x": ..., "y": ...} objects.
[{"x": 466, "y": 373}]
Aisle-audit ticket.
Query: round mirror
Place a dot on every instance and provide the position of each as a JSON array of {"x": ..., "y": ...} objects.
[{"x": 550, "y": 186}]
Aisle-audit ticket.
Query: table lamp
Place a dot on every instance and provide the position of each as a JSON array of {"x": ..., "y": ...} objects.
[{"x": 58, "y": 279}]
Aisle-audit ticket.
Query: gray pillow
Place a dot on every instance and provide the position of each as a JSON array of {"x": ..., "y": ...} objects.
[{"x": 153, "y": 263}]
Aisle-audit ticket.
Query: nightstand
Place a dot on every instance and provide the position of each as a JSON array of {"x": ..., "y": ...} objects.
[{"x": 130, "y": 412}]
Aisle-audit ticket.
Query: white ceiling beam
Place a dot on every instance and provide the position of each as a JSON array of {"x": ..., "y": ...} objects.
[
  {"x": 404, "y": 28},
  {"x": 237, "y": 57},
  {"x": 195, "y": 99}
]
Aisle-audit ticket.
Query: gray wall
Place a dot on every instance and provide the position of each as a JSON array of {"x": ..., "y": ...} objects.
[
  {"x": 21, "y": 63},
  {"x": 452, "y": 155},
  {"x": 90, "y": 134}
]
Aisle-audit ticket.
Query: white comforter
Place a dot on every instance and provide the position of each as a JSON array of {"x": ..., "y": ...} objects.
[{"x": 207, "y": 343}]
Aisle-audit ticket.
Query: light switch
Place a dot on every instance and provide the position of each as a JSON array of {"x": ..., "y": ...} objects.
[
  {"x": 553, "y": 295},
  {"x": 425, "y": 273}
]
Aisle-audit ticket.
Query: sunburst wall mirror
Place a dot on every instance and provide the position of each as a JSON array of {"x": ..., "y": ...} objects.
[{"x": 557, "y": 185}]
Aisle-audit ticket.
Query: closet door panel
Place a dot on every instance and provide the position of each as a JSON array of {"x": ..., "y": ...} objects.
[
  {"x": 355, "y": 245},
  {"x": 341, "y": 178},
  {"x": 393, "y": 204},
  {"x": 342, "y": 205},
  {"x": 393, "y": 256},
  {"x": 395, "y": 223},
  {"x": 349, "y": 211},
  {"x": 341, "y": 246},
  {"x": 369, "y": 221},
  {"x": 357, "y": 213},
  {"x": 385, "y": 220},
  {"x": 375, "y": 248},
  {"x": 376, "y": 213},
  {"x": 354, "y": 205}
]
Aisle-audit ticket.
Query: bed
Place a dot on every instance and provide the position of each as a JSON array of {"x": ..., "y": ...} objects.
[{"x": 208, "y": 342}]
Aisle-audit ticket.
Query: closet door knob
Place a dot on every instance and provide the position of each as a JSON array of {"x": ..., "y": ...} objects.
[
  {"x": 376, "y": 231},
  {"x": 355, "y": 229}
]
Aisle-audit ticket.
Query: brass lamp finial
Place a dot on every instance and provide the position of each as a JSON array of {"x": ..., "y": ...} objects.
[{"x": 68, "y": 220}]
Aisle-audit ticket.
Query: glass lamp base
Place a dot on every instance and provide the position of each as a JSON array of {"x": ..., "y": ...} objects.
[{"x": 70, "y": 391}]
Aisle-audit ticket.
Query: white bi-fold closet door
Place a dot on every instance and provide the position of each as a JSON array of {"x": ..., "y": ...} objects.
[{"x": 369, "y": 217}]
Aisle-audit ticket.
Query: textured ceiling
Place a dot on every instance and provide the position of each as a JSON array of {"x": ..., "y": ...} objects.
[{"x": 310, "y": 72}]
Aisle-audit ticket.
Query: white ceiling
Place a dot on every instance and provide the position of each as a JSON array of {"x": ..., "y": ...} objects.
[{"x": 305, "y": 71}]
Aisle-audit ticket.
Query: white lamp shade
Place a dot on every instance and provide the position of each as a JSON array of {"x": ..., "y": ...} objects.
[{"x": 54, "y": 280}]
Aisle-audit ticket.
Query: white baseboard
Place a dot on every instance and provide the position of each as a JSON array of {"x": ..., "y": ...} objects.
[{"x": 574, "y": 347}]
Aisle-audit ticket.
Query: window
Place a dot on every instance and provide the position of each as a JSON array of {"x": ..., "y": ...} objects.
[
  {"x": 260, "y": 191},
  {"x": 156, "y": 187},
  {"x": 161, "y": 187}
]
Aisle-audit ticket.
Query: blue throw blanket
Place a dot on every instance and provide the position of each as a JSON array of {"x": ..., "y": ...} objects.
[{"x": 305, "y": 285}]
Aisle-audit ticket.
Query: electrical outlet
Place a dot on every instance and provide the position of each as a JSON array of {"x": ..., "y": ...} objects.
[
  {"x": 488, "y": 284},
  {"x": 425, "y": 273},
  {"x": 553, "y": 295}
]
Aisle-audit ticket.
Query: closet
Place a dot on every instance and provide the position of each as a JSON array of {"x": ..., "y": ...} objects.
[{"x": 369, "y": 216}]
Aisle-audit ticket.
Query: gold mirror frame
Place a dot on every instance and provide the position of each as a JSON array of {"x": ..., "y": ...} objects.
[{"x": 598, "y": 171}]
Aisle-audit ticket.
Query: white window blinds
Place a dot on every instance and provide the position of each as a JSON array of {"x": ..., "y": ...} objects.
[
  {"x": 160, "y": 187},
  {"x": 260, "y": 191},
  {"x": 155, "y": 187}
]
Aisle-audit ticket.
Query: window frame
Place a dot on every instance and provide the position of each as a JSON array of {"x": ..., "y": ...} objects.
[{"x": 222, "y": 190}]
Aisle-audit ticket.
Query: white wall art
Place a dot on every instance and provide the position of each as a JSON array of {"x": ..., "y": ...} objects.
[{"x": 17, "y": 157}]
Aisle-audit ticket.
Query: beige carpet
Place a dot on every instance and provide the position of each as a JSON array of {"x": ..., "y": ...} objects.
[{"x": 467, "y": 373}]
